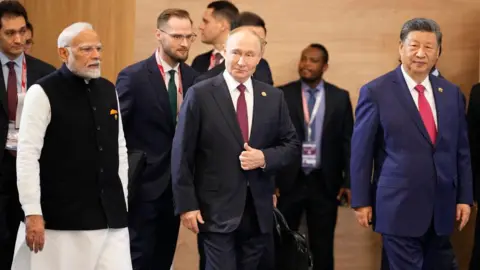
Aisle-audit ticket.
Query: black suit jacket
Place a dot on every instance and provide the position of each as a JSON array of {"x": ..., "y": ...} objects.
[
  {"x": 148, "y": 122},
  {"x": 473, "y": 118},
  {"x": 36, "y": 69},
  {"x": 206, "y": 170},
  {"x": 201, "y": 62},
  {"x": 262, "y": 72},
  {"x": 336, "y": 136}
]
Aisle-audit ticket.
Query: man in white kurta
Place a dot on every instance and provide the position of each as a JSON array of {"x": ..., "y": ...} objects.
[{"x": 72, "y": 165}]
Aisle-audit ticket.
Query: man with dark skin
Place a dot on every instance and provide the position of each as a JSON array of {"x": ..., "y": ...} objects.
[{"x": 322, "y": 115}]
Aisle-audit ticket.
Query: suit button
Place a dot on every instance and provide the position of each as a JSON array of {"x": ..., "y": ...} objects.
[
  {"x": 94, "y": 108},
  {"x": 101, "y": 170},
  {"x": 98, "y": 128},
  {"x": 101, "y": 191},
  {"x": 100, "y": 148}
]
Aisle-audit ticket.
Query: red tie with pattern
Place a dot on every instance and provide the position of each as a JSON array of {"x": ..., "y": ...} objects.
[
  {"x": 12, "y": 91},
  {"x": 242, "y": 115},
  {"x": 426, "y": 113}
]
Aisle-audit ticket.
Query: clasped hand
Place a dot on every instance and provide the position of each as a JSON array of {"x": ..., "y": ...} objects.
[{"x": 251, "y": 158}]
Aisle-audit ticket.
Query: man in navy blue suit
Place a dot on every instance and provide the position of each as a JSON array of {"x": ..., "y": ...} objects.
[
  {"x": 150, "y": 93},
  {"x": 411, "y": 130},
  {"x": 233, "y": 134}
]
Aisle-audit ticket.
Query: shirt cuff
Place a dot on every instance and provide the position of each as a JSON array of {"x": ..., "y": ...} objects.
[{"x": 32, "y": 210}]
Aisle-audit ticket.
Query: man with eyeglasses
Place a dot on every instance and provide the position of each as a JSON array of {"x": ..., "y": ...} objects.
[
  {"x": 151, "y": 92},
  {"x": 18, "y": 72},
  {"x": 72, "y": 164}
]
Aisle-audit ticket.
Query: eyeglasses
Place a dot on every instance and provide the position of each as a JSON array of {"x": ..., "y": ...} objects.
[{"x": 179, "y": 37}]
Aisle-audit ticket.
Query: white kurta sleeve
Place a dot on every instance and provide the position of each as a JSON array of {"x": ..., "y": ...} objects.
[
  {"x": 35, "y": 119},
  {"x": 123, "y": 157}
]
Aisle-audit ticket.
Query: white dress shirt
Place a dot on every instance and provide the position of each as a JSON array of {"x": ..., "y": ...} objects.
[
  {"x": 232, "y": 85},
  {"x": 166, "y": 69},
  {"x": 35, "y": 120},
  {"x": 428, "y": 93}
]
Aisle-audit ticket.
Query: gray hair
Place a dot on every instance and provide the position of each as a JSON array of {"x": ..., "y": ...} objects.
[
  {"x": 422, "y": 25},
  {"x": 69, "y": 33}
]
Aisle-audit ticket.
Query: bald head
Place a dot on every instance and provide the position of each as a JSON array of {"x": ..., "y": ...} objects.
[{"x": 243, "y": 51}]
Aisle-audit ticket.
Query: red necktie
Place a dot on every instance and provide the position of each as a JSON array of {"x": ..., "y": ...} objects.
[
  {"x": 426, "y": 113},
  {"x": 242, "y": 115},
  {"x": 12, "y": 91}
]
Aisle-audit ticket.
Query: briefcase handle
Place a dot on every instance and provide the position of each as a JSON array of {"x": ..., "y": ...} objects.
[{"x": 280, "y": 221}]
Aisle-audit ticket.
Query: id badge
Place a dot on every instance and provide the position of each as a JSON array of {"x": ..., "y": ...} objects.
[
  {"x": 12, "y": 137},
  {"x": 309, "y": 155}
]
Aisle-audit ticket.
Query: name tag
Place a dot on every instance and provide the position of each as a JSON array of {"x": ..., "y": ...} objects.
[
  {"x": 309, "y": 155},
  {"x": 12, "y": 137}
]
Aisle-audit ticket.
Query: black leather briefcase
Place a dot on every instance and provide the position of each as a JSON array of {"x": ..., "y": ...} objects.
[{"x": 291, "y": 250}]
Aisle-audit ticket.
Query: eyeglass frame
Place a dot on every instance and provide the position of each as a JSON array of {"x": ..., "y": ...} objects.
[{"x": 179, "y": 37}]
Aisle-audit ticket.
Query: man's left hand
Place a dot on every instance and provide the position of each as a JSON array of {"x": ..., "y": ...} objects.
[
  {"x": 347, "y": 193},
  {"x": 251, "y": 158},
  {"x": 463, "y": 214}
]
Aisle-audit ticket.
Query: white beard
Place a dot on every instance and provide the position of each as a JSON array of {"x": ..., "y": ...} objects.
[{"x": 85, "y": 73}]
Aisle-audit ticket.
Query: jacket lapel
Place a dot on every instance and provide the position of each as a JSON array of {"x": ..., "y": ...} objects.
[
  {"x": 440, "y": 104},
  {"x": 329, "y": 105},
  {"x": 158, "y": 86},
  {"x": 223, "y": 99},
  {"x": 3, "y": 89},
  {"x": 259, "y": 111},
  {"x": 405, "y": 97}
]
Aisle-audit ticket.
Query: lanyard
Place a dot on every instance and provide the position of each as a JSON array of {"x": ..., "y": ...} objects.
[
  {"x": 212, "y": 61},
  {"x": 310, "y": 118},
  {"x": 24, "y": 75},
  {"x": 162, "y": 71}
]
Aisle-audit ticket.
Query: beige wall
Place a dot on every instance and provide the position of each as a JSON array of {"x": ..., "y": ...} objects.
[
  {"x": 114, "y": 20},
  {"x": 361, "y": 36}
]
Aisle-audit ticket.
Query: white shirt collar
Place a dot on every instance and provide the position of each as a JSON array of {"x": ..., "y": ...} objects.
[
  {"x": 232, "y": 84},
  {"x": 411, "y": 83},
  {"x": 165, "y": 65}
]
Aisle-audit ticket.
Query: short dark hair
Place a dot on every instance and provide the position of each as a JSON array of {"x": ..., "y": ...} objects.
[
  {"x": 247, "y": 18},
  {"x": 226, "y": 10},
  {"x": 423, "y": 25},
  {"x": 165, "y": 16},
  {"x": 321, "y": 48},
  {"x": 30, "y": 27},
  {"x": 12, "y": 8}
]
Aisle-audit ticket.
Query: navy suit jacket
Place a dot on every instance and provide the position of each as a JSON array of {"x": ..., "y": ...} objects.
[
  {"x": 147, "y": 120},
  {"x": 206, "y": 170},
  {"x": 262, "y": 72},
  {"x": 414, "y": 181},
  {"x": 201, "y": 62}
]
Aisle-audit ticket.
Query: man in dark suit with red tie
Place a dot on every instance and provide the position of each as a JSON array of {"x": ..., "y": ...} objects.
[
  {"x": 233, "y": 134},
  {"x": 18, "y": 72},
  {"x": 411, "y": 133},
  {"x": 217, "y": 22},
  {"x": 150, "y": 93}
]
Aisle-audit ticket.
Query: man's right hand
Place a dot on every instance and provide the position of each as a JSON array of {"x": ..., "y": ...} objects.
[
  {"x": 35, "y": 232},
  {"x": 364, "y": 216},
  {"x": 189, "y": 220}
]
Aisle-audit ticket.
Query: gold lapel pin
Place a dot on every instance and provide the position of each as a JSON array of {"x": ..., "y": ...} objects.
[
  {"x": 264, "y": 94},
  {"x": 440, "y": 90}
]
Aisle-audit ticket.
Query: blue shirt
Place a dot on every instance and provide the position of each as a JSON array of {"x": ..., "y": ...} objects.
[
  {"x": 320, "y": 115},
  {"x": 18, "y": 69}
]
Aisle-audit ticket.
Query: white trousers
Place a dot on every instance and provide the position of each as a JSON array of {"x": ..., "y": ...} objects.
[{"x": 107, "y": 249}]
